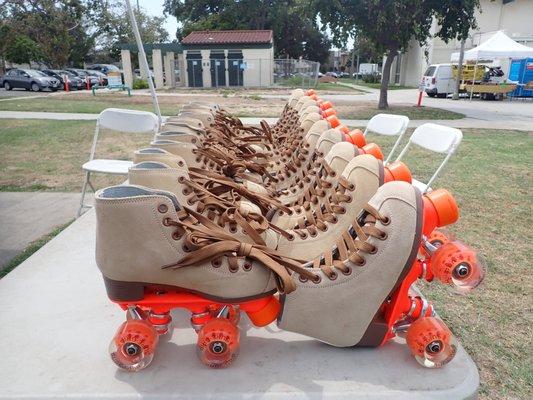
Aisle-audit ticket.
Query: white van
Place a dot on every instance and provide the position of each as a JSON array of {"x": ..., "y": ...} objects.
[{"x": 438, "y": 80}]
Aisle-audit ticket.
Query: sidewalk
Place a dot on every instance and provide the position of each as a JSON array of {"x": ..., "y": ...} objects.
[
  {"x": 513, "y": 123},
  {"x": 56, "y": 323},
  {"x": 27, "y": 216}
]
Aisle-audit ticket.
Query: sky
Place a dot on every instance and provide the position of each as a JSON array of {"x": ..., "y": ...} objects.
[{"x": 155, "y": 7}]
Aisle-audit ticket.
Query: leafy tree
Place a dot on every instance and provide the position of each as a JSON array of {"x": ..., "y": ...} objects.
[
  {"x": 22, "y": 50},
  {"x": 389, "y": 25},
  {"x": 296, "y": 32}
]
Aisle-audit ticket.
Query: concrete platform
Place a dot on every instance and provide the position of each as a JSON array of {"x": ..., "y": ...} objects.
[{"x": 56, "y": 323}]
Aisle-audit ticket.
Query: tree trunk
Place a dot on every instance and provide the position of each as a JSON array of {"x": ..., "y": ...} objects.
[
  {"x": 459, "y": 71},
  {"x": 385, "y": 79}
]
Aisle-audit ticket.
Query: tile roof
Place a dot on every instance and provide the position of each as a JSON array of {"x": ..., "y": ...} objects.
[{"x": 228, "y": 37}]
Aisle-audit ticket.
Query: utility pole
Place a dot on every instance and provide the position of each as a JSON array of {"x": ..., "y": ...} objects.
[{"x": 459, "y": 71}]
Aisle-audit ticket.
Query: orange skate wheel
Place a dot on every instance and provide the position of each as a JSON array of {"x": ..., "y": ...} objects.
[
  {"x": 445, "y": 206},
  {"x": 310, "y": 92},
  {"x": 431, "y": 342},
  {"x": 133, "y": 346},
  {"x": 267, "y": 314},
  {"x": 440, "y": 236},
  {"x": 218, "y": 343},
  {"x": 356, "y": 137},
  {"x": 397, "y": 171},
  {"x": 457, "y": 264},
  {"x": 372, "y": 148}
]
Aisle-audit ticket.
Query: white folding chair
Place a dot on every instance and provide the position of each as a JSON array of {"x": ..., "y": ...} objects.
[
  {"x": 436, "y": 138},
  {"x": 117, "y": 120},
  {"x": 388, "y": 125}
]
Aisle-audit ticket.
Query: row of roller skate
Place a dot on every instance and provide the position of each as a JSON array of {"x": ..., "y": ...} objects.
[{"x": 300, "y": 223}]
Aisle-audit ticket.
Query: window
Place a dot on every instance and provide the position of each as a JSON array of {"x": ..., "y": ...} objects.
[{"x": 430, "y": 71}]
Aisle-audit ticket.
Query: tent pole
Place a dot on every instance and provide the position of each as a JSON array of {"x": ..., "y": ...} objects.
[
  {"x": 473, "y": 81},
  {"x": 143, "y": 60}
]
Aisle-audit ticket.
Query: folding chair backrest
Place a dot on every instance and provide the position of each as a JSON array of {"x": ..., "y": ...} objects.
[
  {"x": 388, "y": 125},
  {"x": 129, "y": 121},
  {"x": 437, "y": 138}
]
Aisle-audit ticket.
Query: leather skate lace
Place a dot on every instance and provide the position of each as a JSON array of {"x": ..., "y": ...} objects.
[
  {"x": 315, "y": 219},
  {"x": 207, "y": 242},
  {"x": 352, "y": 243}
]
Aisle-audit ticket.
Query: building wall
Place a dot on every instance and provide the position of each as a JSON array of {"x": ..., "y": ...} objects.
[
  {"x": 514, "y": 18},
  {"x": 259, "y": 67}
]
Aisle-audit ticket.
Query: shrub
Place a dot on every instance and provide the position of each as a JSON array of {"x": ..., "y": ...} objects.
[
  {"x": 374, "y": 77},
  {"x": 140, "y": 84}
]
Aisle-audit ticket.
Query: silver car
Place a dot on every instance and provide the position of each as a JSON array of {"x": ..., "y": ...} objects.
[{"x": 29, "y": 79}]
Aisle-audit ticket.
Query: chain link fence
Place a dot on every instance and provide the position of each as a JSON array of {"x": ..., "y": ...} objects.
[{"x": 296, "y": 73}]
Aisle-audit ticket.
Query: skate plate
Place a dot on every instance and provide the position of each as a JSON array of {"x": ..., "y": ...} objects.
[{"x": 56, "y": 322}]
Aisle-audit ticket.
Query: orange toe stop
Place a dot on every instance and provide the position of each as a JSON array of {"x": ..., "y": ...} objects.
[
  {"x": 397, "y": 171},
  {"x": 357, "y": 137},
  {"x": 325, "y": 105},
  {"x": 333, "y": 121},
  {"x": 444, "y": 205},
  {"x": 372, "y": 148},
  {"x": 267, "y": 314}
]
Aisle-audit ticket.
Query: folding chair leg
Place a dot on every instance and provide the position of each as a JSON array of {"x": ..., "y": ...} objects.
[{"x": 83, "y": 190}]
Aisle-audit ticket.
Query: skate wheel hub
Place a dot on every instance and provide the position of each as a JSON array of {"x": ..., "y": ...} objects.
[{"x": 131, "y": 349}]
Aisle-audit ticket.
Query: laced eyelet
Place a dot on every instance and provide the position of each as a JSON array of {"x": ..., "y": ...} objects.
[
  {"x": 233, "y": 269},
  {"x": 343, "y": 210},
  {"x": 350, "y": 198},
  {"x": 233, "y": 229},
  {"x": 166, "y": 221},
  {"x": 176, "y": 236},
  {"x": 190, "y": 202},
  {"x": 185, "y": 192},
  {"x": 351, "y": 188},
  {"x": 333, "y": 174},
  {"x": 290, "y": 238},
  {"x": 325, "y": 229},
  {"x": 333, "y": 276},
  {"x": 303, "y": 236},
  {"x": 317, "y": 279},
  {"x": 361, "y": 263},
  {"x": 313, "y": 234},
  {"x": 197, "y": 159},
  {"x": 303, "y": 279},
  {"x": 335, "y": 219},
  {"x": 162, "y": 208},
  {"x": 383, "y": 236},
  {"x": 373, "y": 251},
  {"x": 247, "y": 266},
  {"x": 181, "y": 179},
  {"x": 185, "y": 249},
  {"x": 347, "y": 271},
  {"x": 181, "y": 163},
  {"x": 385, "y": 221},
  {"x": 216, "y": 263}
]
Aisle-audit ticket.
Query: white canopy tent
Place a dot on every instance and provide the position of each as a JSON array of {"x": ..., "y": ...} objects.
[{"x": 498, "y": 46}]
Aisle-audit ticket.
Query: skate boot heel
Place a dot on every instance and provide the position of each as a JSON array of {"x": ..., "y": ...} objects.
[
  {"x": 373, "y": 149},
  {"x": 356, "y": 137},
  {"x": 397, "y": 171},
  {"x": 123, "y": 291}
]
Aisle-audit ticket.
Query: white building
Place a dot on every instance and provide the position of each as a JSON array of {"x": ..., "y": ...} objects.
[{"x": 514, "y": 17}]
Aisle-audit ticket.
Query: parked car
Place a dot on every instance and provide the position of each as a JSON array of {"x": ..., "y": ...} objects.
[
  {"x": 74, "y": 82},
  {"x": 104, "y": 68},
  {"x": 29, "y": 79},
  {"x": 344, "y": 75},
  {"x": 102, "y": 78},
  {"x": 83, "y": 74},
  {"x": 438, "y": 80},
  {"x": 332, "y": 74}
]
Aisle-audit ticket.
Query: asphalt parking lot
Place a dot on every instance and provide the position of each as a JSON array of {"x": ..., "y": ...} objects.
[{"x": 20, "y": 93}]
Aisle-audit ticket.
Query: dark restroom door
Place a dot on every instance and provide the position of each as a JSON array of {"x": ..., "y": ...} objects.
[
  {"x": 194, "y": 69},
  {"x": 235, "y": 67},
  {"x": 218, "y": 69}
]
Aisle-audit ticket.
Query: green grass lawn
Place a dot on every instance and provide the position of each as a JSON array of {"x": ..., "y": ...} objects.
[
  {"x": 490, "y": 176},
  {"x": 366, "y": 110}
]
